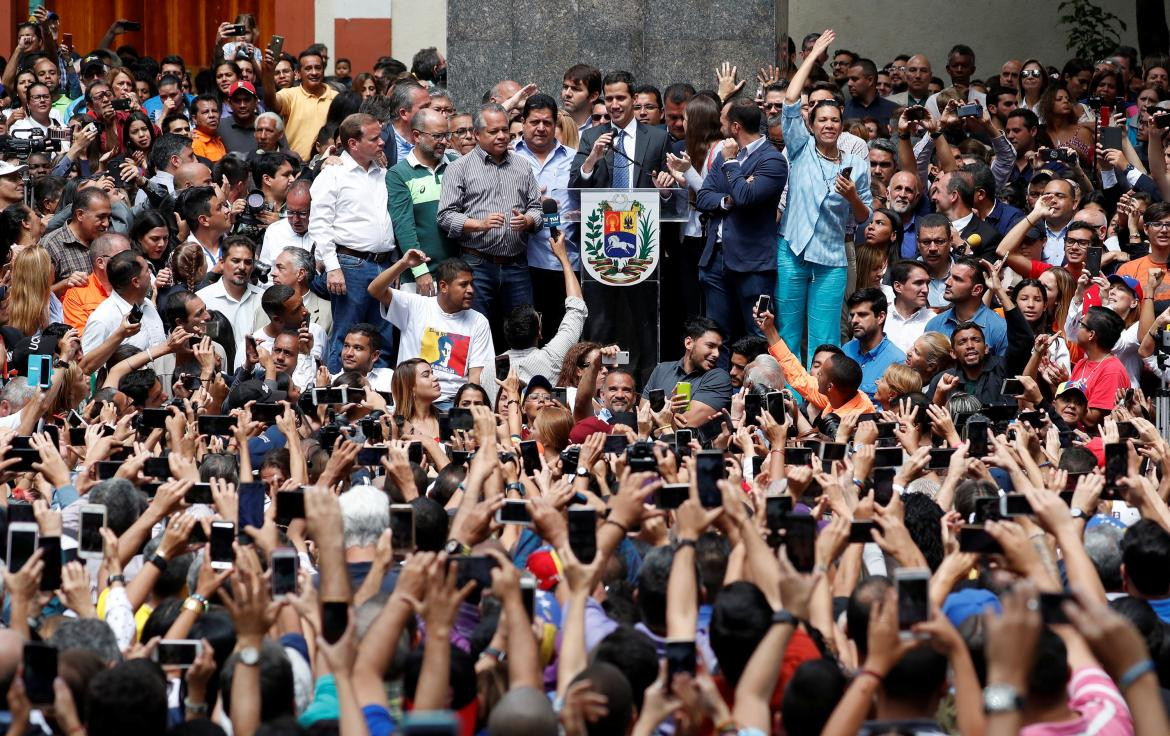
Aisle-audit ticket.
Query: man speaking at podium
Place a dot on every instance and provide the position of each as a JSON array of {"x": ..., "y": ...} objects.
[{"x": 625, "y": 153}]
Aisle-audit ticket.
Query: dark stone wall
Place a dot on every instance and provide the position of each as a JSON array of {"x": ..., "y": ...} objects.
[{"x": 658, "y": 41}]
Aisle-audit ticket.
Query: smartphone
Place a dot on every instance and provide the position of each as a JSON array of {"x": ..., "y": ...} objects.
[
  {"x": 223, "y": 555},
  {"x": 528, "y": 594},
  {"x": 1034, "y": 419},
  {"x": 775, "y": 403},
  {"x": 709, "y": 470},
  {"x": 19, "y": 511},
  {"x": 861, "y": 532},
  {"x": 530, "y": 456},
  {"x": 90, "y": 545},
  {"x": 40, "y": 370},
  {"x": 402, "y": 528},
  {"x": 883, "y": 485},
  {"x": 372, "y": 456},
  {"x": 51, "y": 557},
  {"x": 975, "y": 432},
  {"x": 157, "y": 467},
  {"x": 570, "y": 457},
  {"x": 888, "y": 457},
  {"x": 268, "y": 412},
  {"x": 776, "y": 509},
  {"x": 330, "y": 396},
  {"x": 847, "y": 172},
  {"x": 640, "y": 457},
  {"x": 940, "y": 458},
  {"x": 40, "y": 670},
  {"x": 672, "y": 495},
  {"x": 474, "y": 567},
  {"x": 514, "y": 511},
  {"x": 1126, "y": 431},
  {"x": 583, "y": 533},
  {"x": 1012, "y": 387},
  {"x": 285, "y": 565},
  {"x": 764, "y": 304},
  {"x": 217, "y": 424},
  {"x": 621, "y": 357},
  {"x": 800, "y": 540},
  {"x": 798, "y": 456},
  {"x": 107, "y": 469},
  {"x": 334, "y": 620},
  {"x": 916, "y": 112},
  {"x": 414, "y": 453},
  {"x": 461, "y": 420},
  {"x": 1116, "y": 463},
  {"x": 974, "y": 538},
  {"x": 67, "y": 40},
  {"x": 1093, "y": 259},
  {"x": 753, "y": 406},
  {"x": 276, "y": 46},
  {"x": 211, "y": 329},
  {"x": 1014, "y": 504},
  {"x": 199, "y": 493},
  {"x": 1051, "y": 604},
  {"x": 431, "y": 723},
  {"x": 237, "y": 30},
  {"x": 913, "y": 598},
  {"x": 970, "y": 110},
  {"x": 178, "y": 653},
  {"x": 1111, "y": 137},
  {"x": 290, "y": 505},
  {"x": 22, "y": 543},
  {"x": 682, "y": 440},
  {"x": 133, "y": 25},
  {"x": 657, "y": 398},
  {"x": 830, "y": 451},
  {"x": 683, "y": 388},
  {"x": 560, "y": 394},
  {"x": 614, "y": 443},
  {"x": 503, "y": 365},
  {"x": 680, "y": 657}
]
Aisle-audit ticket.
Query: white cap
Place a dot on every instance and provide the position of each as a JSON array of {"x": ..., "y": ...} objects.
[{"x": 7, "y": 168}]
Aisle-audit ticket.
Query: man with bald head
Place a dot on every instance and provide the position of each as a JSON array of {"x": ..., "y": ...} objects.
[
  {"x": 80, "y": 301},
  {"x": 292, "y": 230},
  {"x": 904, "y": 195},
  {"x": 1009, "y": 74},
  {"x": 918, "y": 75},
  {"x": 1063, "y": 198},
  {"x": 190, "y": 175},
  {"x": 523, "y": 711}
]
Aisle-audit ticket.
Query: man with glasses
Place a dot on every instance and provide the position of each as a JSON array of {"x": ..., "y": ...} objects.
[
  {"x": 648, "y": 105},
  {"x": 933, "y": 237},
  {"x": 295, "y": 268},
  {"x": 292, "y": 230},
  {"x": 413, "y": 186},
  {"x": 1157, "y": 219},
  {"x": 842, "y": 60}
]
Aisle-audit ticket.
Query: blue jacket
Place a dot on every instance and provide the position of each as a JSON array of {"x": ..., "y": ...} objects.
[{"x": 754, "y": 185}]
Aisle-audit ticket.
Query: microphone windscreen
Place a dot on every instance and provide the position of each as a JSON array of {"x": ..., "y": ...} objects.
[
  {"x": 975, "y": 241},
  {"x": 548, "y": 205}
]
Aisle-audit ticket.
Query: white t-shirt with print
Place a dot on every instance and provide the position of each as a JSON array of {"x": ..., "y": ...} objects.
[{"x": 453, "y": 344}]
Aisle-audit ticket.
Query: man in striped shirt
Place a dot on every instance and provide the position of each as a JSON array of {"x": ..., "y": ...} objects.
[{"x": 490, "y": 202}]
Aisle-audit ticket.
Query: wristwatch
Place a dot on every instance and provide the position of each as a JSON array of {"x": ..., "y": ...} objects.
[
  {"x": 250, "y": 656},
  {"x": 780, "y": 616},
  {"x": 582, "y": 471},
  {"x": 1077, "y": 513},
  {"x": 455, "y": 547},
  {"x": 1001, "y": 699}
]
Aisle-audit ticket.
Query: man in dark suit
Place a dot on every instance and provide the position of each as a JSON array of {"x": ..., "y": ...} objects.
[
  {"x": 625, "y": 153},
  {"x": 953, "y": 195},
  {"x": 740, "y": 195}
]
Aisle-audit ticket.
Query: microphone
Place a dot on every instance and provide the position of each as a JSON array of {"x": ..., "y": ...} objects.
[
  {"x": 552, "y": 216},
  {"x": 973, "y": 242}
]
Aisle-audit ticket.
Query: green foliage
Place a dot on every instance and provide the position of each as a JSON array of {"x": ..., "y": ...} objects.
[{"x": 1093, "y": 32}]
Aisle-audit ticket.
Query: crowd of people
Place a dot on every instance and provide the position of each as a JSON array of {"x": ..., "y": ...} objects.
[{"x": 299, "y": 433}]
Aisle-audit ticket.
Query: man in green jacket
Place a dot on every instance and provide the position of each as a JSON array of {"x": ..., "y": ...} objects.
[{"x": 413, "y": 186}]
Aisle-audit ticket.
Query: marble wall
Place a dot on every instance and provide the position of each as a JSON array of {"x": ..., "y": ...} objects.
[{"x": 658, "y": 41}]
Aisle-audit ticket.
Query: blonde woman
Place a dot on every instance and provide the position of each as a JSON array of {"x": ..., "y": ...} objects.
[
  {"x": 551, "y": 429},
  {"x": 930, "y": 355},
  {"x": 416, "y": 389},
  {"x": 567, "y": 132},
  {"x": 29, "y": 293},
  {"x": 898, "y": 380}
]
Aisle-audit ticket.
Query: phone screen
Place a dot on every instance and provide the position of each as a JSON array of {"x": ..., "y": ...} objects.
[
  {"x": 976, "y": 432},
  {"x": 680, "y": 658},
  {"x": 223, "y": 534},
  {"x": 799, "y": 541},
  {"x": 657, "y": 398},
  {"x": 402, "y": 527},
  {"x": 216, "y": 424},
  {"x": 334, "y": 620},
  {"x": 51, "y": 557},
  {"x": 1116, "y": 461},
  {"x": 22, "y": 543},
  {"x": 180, "y": 653},
  {"x": 709, "y": 471},
  {"x": 913, "y": 606},
  {"x": 291, "y": 505},
  {"x": 776, "y": 509},
  {"x": 514, "y": 512},
  {"x": 583, "y": 533},
  {"x": 90, "y": 540},
  {"x": 940, "y": 458},
  {"x": 672, "y": 495},
  {"x": 40, "y": 669},
  {"x": 284, "y": 572},
  {"x": 530, "y": 454}
]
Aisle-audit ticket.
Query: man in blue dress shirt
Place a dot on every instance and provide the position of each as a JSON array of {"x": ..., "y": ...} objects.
[
  {"x": 870, "y": 347},
  {"x": 965, "y": 286}
]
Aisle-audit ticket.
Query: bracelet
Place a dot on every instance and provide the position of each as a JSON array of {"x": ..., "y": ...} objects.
[
  {"x": 871, "y": 673},
  {"x": 196, "y": 708},
  {"x": 680, "y": 543},
  {"x": 904, "y": 136},
  {"x": 1029, "y": 221},
  {"x": 160, "y": 562},
  {"x": 1133, "y": 674},
  {"x": 728, "y": 726},
  {"x": 618, "y": 524},
  {"x": 115, "y": 579},
  {"x": 150, "y": 355}
]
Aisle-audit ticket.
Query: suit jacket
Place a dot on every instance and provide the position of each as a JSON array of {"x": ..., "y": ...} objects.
[
  {"x": 650, "y": 147},
  {"x": 754, "y": 185},
  {"x": 989, "y": 235}
]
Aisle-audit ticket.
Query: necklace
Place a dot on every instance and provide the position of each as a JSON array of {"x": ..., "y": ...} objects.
[{"x": 831, "y": 176}]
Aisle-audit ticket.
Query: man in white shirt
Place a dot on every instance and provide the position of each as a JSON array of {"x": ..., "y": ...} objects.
[
  {"x": 294, "y": 267},
  {"x": 443, "y": 330},
  {"x": 292, "y": 230},
  {"x": 909, "y": 311},
  {"x": 352, "y": 230},
  {"x": 235, "y": 296},
  {"x": 360, "y": 349},
  {"x": 130, "y": 278},
  {"x": 286, "y": 311}
]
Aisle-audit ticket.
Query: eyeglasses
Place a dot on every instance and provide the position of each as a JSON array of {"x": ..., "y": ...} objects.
[
  {"x": 436, "y": 136},
  {"x": 650, "y": 107},
  {"x": 102, "y": 95},
  {"x": 840, "y": 63},
  {"x": 1031, "y": 73},
  {"x": 1161, "y": 225},
  {"x": 297, "y": 213},
  {"x": 539, "y": 396},
  {"x": 40, "y": 98},
  {"x": 1077, "y": 242},
  {"x": 448, "y": 111},
  {"x": 462, "y": 131},
  {"x": 940, "y": 241},
  {"x": 597, "y": 118}
]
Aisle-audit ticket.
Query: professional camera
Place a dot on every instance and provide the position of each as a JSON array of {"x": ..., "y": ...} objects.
[
  {"x": 27, "y": 142},
  {"x": 248, "y": 223}
]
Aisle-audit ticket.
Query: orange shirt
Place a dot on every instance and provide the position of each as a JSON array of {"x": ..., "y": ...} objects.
[
  {"x": 209, "y": 147},
  {"x": 1140, "y": 269},
  {"x": 806, "y": 385},
  {"x": 80, "y": 301}
]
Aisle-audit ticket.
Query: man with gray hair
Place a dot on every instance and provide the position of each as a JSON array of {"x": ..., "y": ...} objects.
[
  {"x": 294, "y": 267},
  {"x": 292, "y": 230},
  {"x": 763, "y": 372},
  {"x": 269, "y": 134},
  {"x": 80, "y": 301},
  {"x": 407, "y": 99},
  {"x": 365, "y": 516}
]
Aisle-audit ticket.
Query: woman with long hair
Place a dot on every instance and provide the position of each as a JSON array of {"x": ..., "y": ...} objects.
[
  {"x": 416, "y": 389},
  {"x": 567, "y": 132},
  {"x": 150, "y": 236},
  {"x": 1033, "y": 85},
  {"x": 577, "y": 359},
  {"x": 29, "y": 292},
  {"x": 1059, "y": 286},
  {"x": 1062, "y": 128},
  {"x": 469, "y": 395},
  {"x": 930, "y": 355},
  {"x": 828, "y": 191},
  {"x": 20, "y": 227},
  {"x": 1030, "y": 298},
  {"x": 366, "y": 85},
  {"x": 188, "y": 267},
  {"x": 884, "y": 234}
]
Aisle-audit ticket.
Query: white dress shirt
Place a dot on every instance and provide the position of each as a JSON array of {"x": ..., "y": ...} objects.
[
  {"x": 349, "y": 209},
  {"x": 279, "y": 236},
  {"x": 107, "y": 318},
  {"x": 240, "y": 313},
  {"x": 306, "y": 368},
  {"x": 628, "y": 144},
  {"x": 903, "y": 331}
]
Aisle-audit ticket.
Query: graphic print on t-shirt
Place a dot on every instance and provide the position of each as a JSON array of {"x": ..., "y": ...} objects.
[{"x": 445, "y": 351}]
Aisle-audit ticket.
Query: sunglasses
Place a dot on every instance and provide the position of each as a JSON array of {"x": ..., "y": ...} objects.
[
  {"x": 597, "y": 118},
  {"x": 1031, "y": 73}
]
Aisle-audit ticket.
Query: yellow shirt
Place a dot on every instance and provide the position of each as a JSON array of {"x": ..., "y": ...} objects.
[
  {"x": 304, "y": 115},
  {"x": 210, "y": 148}
]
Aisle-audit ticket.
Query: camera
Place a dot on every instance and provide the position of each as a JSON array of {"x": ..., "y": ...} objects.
[
  {"x": 34, "y": 141},
  {"x": 1058, "y": 155},
  {"x": 248, "y": 223}
]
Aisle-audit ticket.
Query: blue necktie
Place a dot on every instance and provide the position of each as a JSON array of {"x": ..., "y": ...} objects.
[{"x": 621, "y": 166}]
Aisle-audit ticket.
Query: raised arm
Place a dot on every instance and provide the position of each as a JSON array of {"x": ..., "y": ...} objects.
[
  {"x": 380, "y": 289},
  {"x": 796, "y": 84}
]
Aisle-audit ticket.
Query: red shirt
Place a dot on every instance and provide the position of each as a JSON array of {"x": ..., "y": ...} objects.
[{"x": 1102, "y": 380}]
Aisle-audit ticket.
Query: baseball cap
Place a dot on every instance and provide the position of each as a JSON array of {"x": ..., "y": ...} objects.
[
  {"x": 8, "y": 168},
  {"x": 35, "y": 345},
  {"x": 963, "y": 604},
  {"x": 587, "y": 427},
  {"x": 91, "y": 64},
  {"x": 242, "y": 85},
  {"x": 1065, "y": 387},
  {"x": 253, "y": 390},
  {"x": 537, "y": 382},
  {"x": 1128, "y": 282}
]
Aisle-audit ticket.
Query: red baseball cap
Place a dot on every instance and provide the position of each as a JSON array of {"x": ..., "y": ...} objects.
[{"x": 246, "y": 86}]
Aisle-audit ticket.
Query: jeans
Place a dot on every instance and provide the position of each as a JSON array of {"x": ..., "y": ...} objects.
[
  {"x": 730, "y": 298},
  {"x": 812, "y": 293},
  {"x": 498, "y": 288},
  {"x": 355, "y": 306}
]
